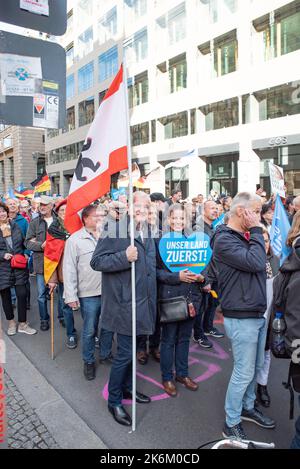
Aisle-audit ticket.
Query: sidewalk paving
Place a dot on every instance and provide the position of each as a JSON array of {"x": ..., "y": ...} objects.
[{"x": 24, "y": 428}]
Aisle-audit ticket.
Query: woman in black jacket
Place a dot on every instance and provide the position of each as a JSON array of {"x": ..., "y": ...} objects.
[
  {"x": 176, "y": 336},
  {"x": 11, "y": 243}
]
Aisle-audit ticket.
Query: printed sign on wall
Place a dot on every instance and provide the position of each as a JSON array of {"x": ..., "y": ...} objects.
[{"x": 39, "y": 7}]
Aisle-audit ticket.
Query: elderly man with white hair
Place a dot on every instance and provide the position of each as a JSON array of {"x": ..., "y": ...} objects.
[
  {"x": 240, "y": 256},
  {"x": 113, "y": 257}
]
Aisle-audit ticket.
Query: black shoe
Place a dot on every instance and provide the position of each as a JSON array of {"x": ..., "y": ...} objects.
[
  {"x": 256, "y": 416},
  {"x": 140, "y": 398},
  {"x": 89, "y": 371},
  {"x": 203, "y": 342},
  {"x": 263, "y": 395},
  {"x": 72, "y": 342},
  {"x": 44, "y": 326},
  {"x": 236, "y": 432},
  {"x": 214, "y": 332},
  {"x": 106, "y": 360},
  {"x": 62, "y": 322},
  {"x": 120, "y": 415}
]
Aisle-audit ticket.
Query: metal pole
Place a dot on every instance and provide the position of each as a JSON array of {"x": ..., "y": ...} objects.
[
  {"x": 52, "y": 323},
  {"x": 133, "y": 292}
]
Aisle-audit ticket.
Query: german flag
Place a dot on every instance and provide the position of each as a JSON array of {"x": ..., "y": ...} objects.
[
  {"x": 52, "y": 254},
  {"x": 26, "y": 193},
  {"x": 42, "y": 183}
]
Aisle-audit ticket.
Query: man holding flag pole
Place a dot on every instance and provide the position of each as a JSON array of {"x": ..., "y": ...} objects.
[{"x": 107, "y": 150}]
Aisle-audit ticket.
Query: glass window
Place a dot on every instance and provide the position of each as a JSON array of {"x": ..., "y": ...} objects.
[
  {"x": 278, "y": 101},
  {"x": 177, "y": 24},
  {"x": 101, "y": 96},
  {"x": 280, "y": 30},
  {"x": 137, "y": 7},
  {"x": 220, "y": 9},
  {"x": 138, "y": 90},
  {"x": 7, "y": 141},
  {"x": 107, "y": 26},
  {"x": 108, "y": 64},
  {"x": 70, "y": 55},
  {"x": 86, "y": 112},
  {"x": 85, "y": 42},
  {"x": 224, "y": 53},
  {"x": 222, "y": 114},
  {"x": 70, "y": 120},
  {"x": 140, "y": 134},
  {"x": 175, "y": 125},
  {"x": 137, "y": 49},
  {"x": 70, "y": 86},
  {"x": 153, "y": 131},
  {"x": 86, "y": 77},
  {"x": 178, "y": 73},
  {"x": 177, "y": 178},
  {"x": 85, "y": 10}
]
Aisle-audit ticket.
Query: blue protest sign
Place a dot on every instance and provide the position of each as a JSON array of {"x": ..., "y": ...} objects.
[
  {"x": 179, "y": 252},
  {"x": 219, "y": 221},
  {"x": 116, "y": 193},
  {"x": 279, "y": 231}
]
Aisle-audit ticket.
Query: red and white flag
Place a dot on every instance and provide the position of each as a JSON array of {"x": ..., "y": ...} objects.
[{"x": 104, "y": 153}]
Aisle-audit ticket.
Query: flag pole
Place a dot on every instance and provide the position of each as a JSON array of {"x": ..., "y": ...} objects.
[{"x": 133, "y": 290}]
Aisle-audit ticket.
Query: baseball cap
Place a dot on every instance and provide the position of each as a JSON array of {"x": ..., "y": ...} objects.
[{"x": 45, "y": 199}]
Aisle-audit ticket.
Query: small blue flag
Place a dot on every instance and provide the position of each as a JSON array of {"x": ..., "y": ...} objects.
[
  {"x": 219, "y": 221},
  {"x": 11, "y": 193},
  {"x": 279, "y": 231}
]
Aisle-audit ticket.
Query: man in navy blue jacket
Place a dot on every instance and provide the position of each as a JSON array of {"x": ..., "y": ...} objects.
[{"x": 240, "y": 258}]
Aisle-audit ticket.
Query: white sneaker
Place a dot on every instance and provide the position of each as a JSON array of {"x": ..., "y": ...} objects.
[
  {"x": 12, "y": 330},
  {"x": 26, "y": 329}
]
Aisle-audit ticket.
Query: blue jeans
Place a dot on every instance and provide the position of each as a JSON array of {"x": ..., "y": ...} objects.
[
  {"x": 248, "y": 340},
  {"x": 90, "y": 312},
  {"x": 106, "y": 340},
  {"x": 296, "y": 440},
  {"x": 175, "y": 340},
  {"x": 66, "y": 312},
  {"x": 42, "y": 298},
  {"x": 121, "y": 371}
]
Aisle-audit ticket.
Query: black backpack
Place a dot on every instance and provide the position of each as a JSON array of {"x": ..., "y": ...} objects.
[{"x": 280, "y": 284}]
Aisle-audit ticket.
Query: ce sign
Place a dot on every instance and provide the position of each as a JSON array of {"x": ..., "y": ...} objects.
[{"x": 278, "y": 141}]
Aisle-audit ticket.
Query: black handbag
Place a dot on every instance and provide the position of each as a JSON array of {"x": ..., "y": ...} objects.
[{"x": 173, "y": 309}]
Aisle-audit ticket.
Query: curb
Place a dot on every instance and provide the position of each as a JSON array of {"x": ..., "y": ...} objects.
[{"x": 63, "y": 423}]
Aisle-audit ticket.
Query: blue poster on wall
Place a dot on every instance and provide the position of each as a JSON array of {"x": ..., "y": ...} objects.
[{"x": 180, "y": 253}]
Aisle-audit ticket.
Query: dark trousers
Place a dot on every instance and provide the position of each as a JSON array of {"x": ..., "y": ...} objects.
[
  {"x": 175, "y": 342},
  {"x": 296, "y": 440},
  {"x": 121, "y": 371},
  {"x": 205, "y": 320},
  {"x": 154, "y": 340},
  {"x": 21, "y": 293}
]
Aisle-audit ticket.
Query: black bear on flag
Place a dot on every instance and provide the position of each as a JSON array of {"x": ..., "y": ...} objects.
[{"x": 84, "y": 162}]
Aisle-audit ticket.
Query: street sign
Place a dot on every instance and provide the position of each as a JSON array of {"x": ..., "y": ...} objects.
[
  {"x": 48, "y": 16},
  {"x": 32, "y": 82}
]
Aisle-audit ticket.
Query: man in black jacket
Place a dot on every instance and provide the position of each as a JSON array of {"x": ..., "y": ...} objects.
[
  {"x": 240, "y": 258},
  {"x": 113, "y": 257}
]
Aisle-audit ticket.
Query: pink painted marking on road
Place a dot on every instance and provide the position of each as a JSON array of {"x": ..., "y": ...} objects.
[{"x": 211, "y": 370}]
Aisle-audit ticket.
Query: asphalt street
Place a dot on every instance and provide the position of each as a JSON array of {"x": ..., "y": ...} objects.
[{"x": 184, "y": 422}]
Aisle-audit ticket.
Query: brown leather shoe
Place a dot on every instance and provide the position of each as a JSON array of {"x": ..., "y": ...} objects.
[
  {"x": 170, "y": 388},
  {"x": 155, "y": 354},
  {"x": 188, "y": 383},
  {"x": 142, "y": 358}
]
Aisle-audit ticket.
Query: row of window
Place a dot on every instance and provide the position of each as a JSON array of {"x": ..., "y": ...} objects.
[{"x": 262, "y": 105}]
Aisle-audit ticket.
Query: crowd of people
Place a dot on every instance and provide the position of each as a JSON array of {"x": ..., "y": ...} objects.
[{"x": 93, "y": 275}]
